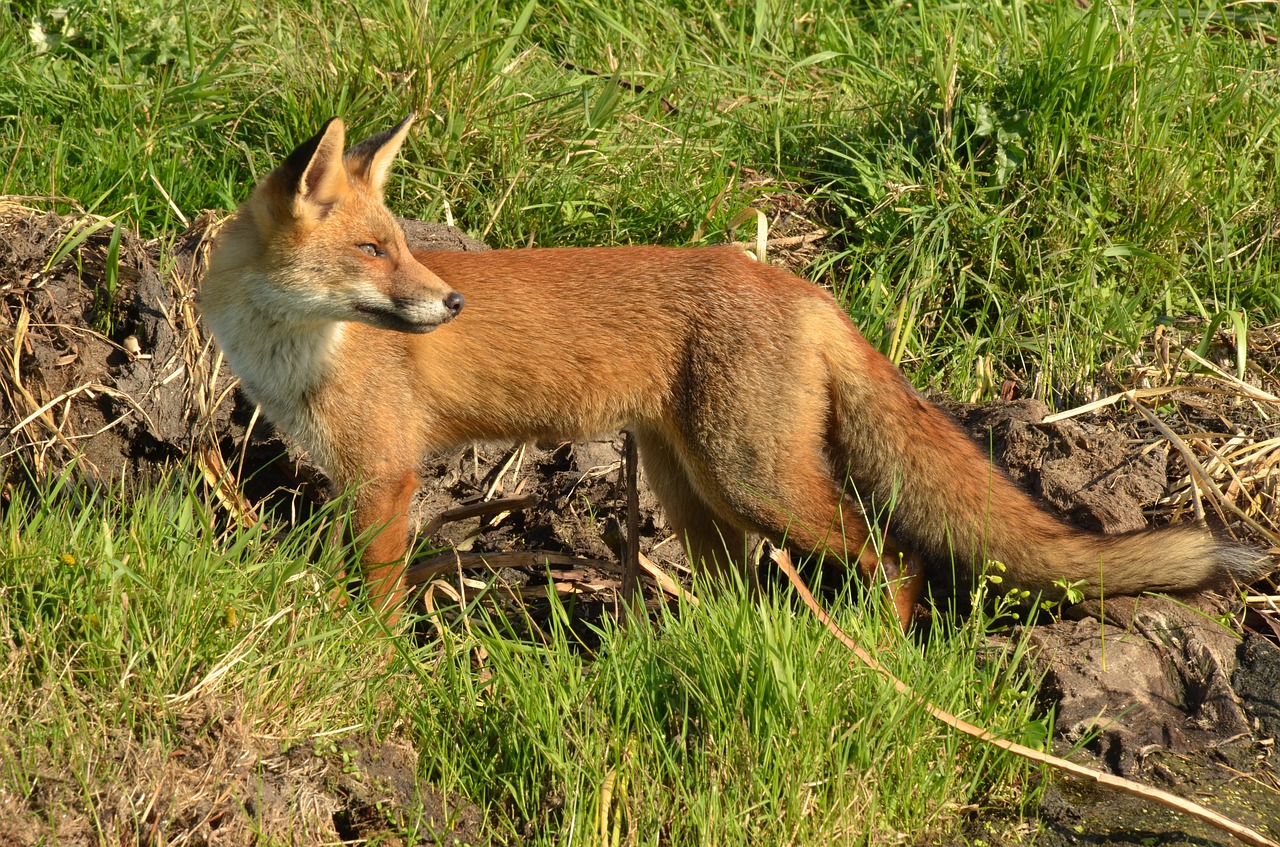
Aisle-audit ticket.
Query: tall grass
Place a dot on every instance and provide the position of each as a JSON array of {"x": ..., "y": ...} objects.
[
  {"x": 1025, "y": 186},
  {"x": 733, "y": 722},
  {"x": 114, "y": 607}
]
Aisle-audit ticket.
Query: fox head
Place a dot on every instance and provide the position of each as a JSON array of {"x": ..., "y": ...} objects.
[{"x": 316, "y": 242}]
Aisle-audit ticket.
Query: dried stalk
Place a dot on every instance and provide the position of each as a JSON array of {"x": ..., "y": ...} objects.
[{"x": 1137, "y": 789}]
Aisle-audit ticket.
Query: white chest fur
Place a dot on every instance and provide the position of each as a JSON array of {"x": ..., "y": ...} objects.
[{"x": 282, "y": 365}]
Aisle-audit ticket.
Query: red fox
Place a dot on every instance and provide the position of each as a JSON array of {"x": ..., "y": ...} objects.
[{"x": 757, "y": 406}]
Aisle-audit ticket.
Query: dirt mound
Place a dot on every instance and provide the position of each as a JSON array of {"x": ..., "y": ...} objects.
[
  {"x": 106, "y": 373},
  {"x": 224, "y": 786}
]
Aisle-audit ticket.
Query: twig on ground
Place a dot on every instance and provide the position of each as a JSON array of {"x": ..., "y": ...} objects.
[
  {"x": 225, "y": 486},
  {"x": 1242, "y": 386},
  {"x": 428, "y": 569},
  {"x": 787, "y": 241},
  {"x": 1200, "y": 477},
  {"x": 1198, "y": 472},
  {"x": 1110, "y": 400},
  {"x": 473, "y": 510},
  {"x": 89, "y": 387},
  {"x": 665, "y": 582},
  {"x": 632, "y": 601},
  {"x": 515, "y": 456},
  {"x": 1137, "y": 789}
]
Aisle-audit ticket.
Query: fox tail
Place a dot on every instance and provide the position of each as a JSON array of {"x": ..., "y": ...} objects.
[{"x": 947, "y": 501}]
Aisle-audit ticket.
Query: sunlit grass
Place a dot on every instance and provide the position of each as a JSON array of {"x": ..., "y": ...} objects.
[
  {"x": 1025, "y": 186},
  {"x": 739, "y": 719}
]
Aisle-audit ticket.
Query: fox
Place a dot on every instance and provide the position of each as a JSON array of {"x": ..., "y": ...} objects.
[{"x": 758, "y": 409}]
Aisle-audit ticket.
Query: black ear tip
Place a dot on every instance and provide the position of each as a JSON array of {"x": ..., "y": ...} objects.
[{"x": 296, "y": 163}]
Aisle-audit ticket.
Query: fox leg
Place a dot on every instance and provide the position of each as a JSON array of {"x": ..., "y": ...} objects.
[
  {"x": 713, "y": 544},
  {"x": 806, "y": 507},
  {"x": 903, "y": 569},
  {"x": 836, "y": 528},
  {"x": 339, "y": 538},
  {"x": 383, "y": 507}
]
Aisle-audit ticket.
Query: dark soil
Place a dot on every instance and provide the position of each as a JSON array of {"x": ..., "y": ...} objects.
[
  {"x": 224, "y": 786},
  {"x": 121, "y": 385}
]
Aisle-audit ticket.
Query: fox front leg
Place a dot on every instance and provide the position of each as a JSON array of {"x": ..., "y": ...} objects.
[{"x": 382, "y": 520}]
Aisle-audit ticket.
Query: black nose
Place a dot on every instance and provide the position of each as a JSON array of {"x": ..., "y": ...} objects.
[{"x": 454, "y": 302}]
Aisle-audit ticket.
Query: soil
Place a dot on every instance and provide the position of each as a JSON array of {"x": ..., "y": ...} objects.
[
  {"x": 108, "y": 375},
  {"x": 225, "y": 786}
]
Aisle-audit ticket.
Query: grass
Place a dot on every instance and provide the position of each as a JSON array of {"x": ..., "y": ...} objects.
[
  {"x": 1022, "y": 188},
  {"x": 1012, "y": 190},
  {"x": 736, "y": 721}
]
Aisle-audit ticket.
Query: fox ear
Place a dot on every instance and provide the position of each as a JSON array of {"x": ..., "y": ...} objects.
[
  {"x": 312, "y": 178},
  {"x": 370, "y": 160}
]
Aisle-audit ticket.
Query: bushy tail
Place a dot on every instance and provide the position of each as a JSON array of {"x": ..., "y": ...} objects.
[{"x": 943, "y": 498}]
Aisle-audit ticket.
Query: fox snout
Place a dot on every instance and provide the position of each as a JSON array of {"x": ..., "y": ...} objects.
[
  {"x": 422, "y": 300},
  {"x": 409, "y": 314},
  {"x": 426, "y": 315}
]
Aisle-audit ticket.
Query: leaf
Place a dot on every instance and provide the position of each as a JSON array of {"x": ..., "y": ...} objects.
[{"x": 816, "y": 58}]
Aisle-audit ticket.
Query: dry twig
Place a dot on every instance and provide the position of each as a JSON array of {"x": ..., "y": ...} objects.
[{"x": 1146, "y": 792}]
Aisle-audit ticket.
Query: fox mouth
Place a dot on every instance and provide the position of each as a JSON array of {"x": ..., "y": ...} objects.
[{"x": 385, "y": 317}]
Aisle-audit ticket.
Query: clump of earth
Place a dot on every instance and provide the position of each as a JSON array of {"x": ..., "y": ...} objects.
[{"x": 112, "y": 374}]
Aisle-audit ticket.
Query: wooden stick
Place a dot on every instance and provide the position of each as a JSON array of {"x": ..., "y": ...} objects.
[
  {"x": 428, "y": 569},
  {"x": 1137, "y": 789},
  {"x": 664, "y": 580},
  {"x": 785, "y": 241},
  {"x": 631, "y": 598},
  {"x": 472, "y": 510}
]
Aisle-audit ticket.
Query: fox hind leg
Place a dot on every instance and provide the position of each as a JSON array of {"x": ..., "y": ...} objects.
[
  {"x": 800, "y": 505},
  {"x": 714, "y": 544},
  {"x": 805, "y": 506}
]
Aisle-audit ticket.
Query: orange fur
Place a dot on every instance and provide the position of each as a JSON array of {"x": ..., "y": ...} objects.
[{"x": 757, "y": 406}]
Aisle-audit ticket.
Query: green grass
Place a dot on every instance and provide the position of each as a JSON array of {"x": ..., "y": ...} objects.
[
  {"x": 737, "y": 721},
  {"x": 1029, "y": 186}
]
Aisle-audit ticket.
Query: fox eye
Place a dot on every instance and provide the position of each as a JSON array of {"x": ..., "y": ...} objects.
[{"x": 371, "y": 249}]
